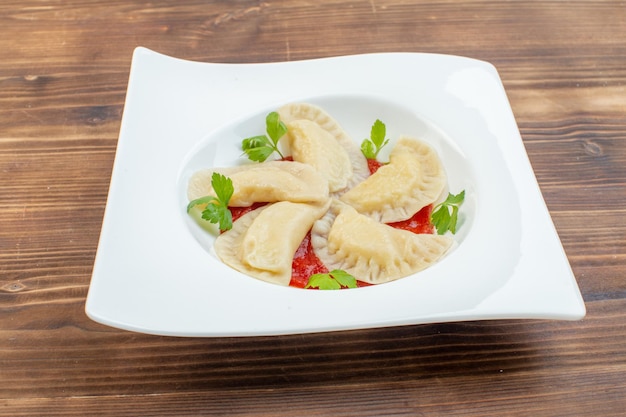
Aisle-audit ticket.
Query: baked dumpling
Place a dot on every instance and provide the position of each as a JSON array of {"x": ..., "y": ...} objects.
[
  {"x": 371, "y": 251},
  {"x": 262, "y": 243},
  {"x": 413, "y": 178},
  {"x": 309, "y": 143},
  {"x": 267, "y": 182},
  {"x": 304, "y": 111}
]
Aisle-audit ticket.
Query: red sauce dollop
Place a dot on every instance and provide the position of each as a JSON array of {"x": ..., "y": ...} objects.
[
  {"x": 373, "y": 165},
  {"x": 419, "y": 223},
  {"x": 305, "y": 263},
  {"x": 237, "y": 212}
]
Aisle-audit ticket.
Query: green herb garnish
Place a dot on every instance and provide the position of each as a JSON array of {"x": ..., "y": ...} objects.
[
  {"x": 370, "y": 147},
  {"x": 216, "y": 210},
  {"x": 334, "y": 280},
  {"x": 445, "y": 215},
  {"x": 259, "y": 148}
]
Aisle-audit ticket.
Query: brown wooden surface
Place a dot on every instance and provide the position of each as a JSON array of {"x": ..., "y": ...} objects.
[{"x": 63, "y": 74}]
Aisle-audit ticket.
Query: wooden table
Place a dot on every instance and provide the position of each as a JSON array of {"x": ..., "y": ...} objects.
[{"x": 64, "y": 68}]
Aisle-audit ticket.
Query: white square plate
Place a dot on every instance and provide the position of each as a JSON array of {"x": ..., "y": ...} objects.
[{"x": 155, "y": 272}]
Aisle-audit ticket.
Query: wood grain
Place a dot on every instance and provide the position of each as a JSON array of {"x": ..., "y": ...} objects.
[{"x": 63, "y": 74}]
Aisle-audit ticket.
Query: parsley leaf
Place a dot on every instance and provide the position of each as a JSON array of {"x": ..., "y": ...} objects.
[
  {"x": 445, "y": 215},
  {"x": 259, "y": 148},
  {"x": 216, "y": 210},
  {"x": 275, "y": 128},
  {"x": 334, "y": 280},
  {"x": 370, "y": 147}
]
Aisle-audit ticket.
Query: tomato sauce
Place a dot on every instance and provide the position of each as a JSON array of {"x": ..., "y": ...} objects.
[
  {"x": 305, "y": 263},
  {"x": 373, "y": 165},
  {"x": 419, "y": 223},
  {"x": 237, "y": 212}
]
